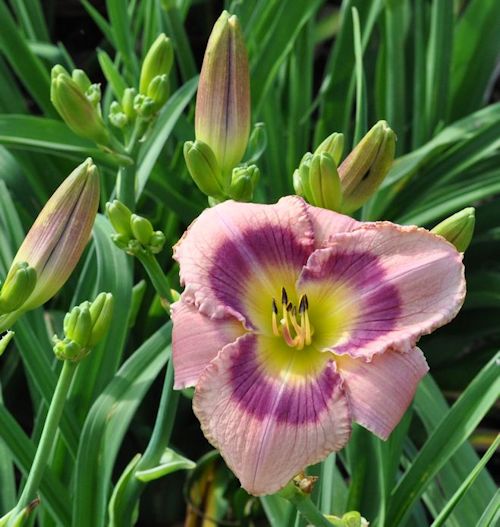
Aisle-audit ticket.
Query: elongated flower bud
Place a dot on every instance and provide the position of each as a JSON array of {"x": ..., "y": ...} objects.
[
  {"x": 59, "y": 235},
  {"x": 77, "y": 111},
  {"x": 458, "y": 228},
  {"x": 223, "y": 101},
  {"x": 366, "y": 166},
  {"x": 158, "y": 61},
  {"x": 244, "y": 182},
  {"x": 101, "y": 313},
  {"x": 119, "y": 215},
  {"x": 141, "y": 228},
  {"x": 324, "y": 182},
  {"x": 159, "y": 90},
  {"x": 204, "y": 169},
  {"x": 17, "y": 288},
  {"x": 333, "y": 145}
]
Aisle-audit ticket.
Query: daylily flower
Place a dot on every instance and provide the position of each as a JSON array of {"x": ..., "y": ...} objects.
[{"x": 296, "y": 321}]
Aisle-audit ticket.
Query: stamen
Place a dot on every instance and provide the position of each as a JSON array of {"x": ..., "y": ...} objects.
[
  {"x": 275, "y": 319},
  {"x": 284, "y": 296},
  {"x": 303, "y": 304},
  {"x": 288, "y": 338}
]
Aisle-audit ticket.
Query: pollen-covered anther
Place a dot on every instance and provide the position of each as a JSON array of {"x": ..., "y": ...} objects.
[{"x": 294, "y": 326}]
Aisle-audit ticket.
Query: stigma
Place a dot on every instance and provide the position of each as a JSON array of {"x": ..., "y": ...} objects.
[{"x": 294, "y": 325}]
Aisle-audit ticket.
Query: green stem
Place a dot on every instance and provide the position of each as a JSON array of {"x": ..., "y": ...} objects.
[
  {"x": 125, "y": 186},
  {"x": 48, "y": 434},
  {"x": 307, "y": 508},
  {"x": 158, "y": 277}
]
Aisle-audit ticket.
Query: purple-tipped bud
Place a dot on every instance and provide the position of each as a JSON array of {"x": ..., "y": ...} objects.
[
  {"x": 59, "y": 235},
  {"x": 223, "y": 100}
]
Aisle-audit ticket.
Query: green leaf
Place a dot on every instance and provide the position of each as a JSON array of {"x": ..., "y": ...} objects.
[
  {"x": 171, "y": 461},
  {"x": 118, "y": 85},
  {"x": 444, "y": 441},
  {"x": 491, "y": 514}
]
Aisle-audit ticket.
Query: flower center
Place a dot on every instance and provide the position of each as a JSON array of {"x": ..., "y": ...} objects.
[{"x": 294, "y": 325}]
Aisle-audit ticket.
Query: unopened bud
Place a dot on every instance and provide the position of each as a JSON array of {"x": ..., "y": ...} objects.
[
  {"x": 324, "y": 182},
  {"x": 458, "y": 228},
  {"x": 144, "y": 106},
  {"x": 128, "y": 103},
  {"x": 76, "y": 109},
  {"x": 244, "y": 182},
  {"x": 158, "y": 61},
  {"x": 222, "y": 118},
  {"x": 204, "y": 169},
  {"x": 301, "y": 177},
  {"x": 157, "y": 242},
  {"x": 81, "y": 79},
  {"x": 93, "y": 94},
  {"x": 366, "y": 166},
  {"x": 333, "y": 145},
  {"x": 117, "y": 116},
  {"x": 78, "y": 325},
  {"x": 60, "y": 233},
  {"x": 141, "y": 229},
  {"x": 257, "y": 143},
  {"x": 5, "y": 340},
  {"x": 18, "y": 286},
  {"x": 159, "y": 90},
  {"x": 101, "y": 313},
  {"x": 119, "y": 215}
]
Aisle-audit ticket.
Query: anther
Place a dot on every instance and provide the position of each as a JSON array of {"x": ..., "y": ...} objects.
[
  {"x": 284, "y": 296},
  {"x": 303, "y": 304},
  {"x": 289, "y": 307},
  {"x": 275, "y": 307}
]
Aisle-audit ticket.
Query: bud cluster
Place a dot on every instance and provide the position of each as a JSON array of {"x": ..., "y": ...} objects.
[
  {"x": 345, "y": 187},
  {"x": 84, "y": 326},
  {"x": 222, "y": 120},
  {"x": 134, "y": 233}
]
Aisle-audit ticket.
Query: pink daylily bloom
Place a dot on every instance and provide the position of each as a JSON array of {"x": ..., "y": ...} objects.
[{"x": 296, "y": 321}]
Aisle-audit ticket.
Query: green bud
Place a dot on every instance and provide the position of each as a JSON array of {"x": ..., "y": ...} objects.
[
  {"x": 121, "y": 241},
  {"x": 144, "y": 106},
  {"x": 141, "y": 229},
  {"x": 18, "y": 286},
  {"x": 58, "y": 70},
  {"x": 458, "y": 228},
  {"x": 366, "y": 166},
  {"x": 101, "y": 313},
  {"x": 78, "y": 325},
  {"x": 68, "y": 349},
  {"x": 5, "y": 340},
  {"x": 119, "y": 215},
  {"x": 324, "y": 182},
  {"x": 116, "y": 115},
  {"x": 302, "y": 177},
  {"x": 93, "y": 94},
  {"x": 204, "y": 169},
  {"x": 158, "y": 61},
  {"x": 60, "y": 233},
  {"x": 76, "y": 109},
  {"x": 333, "y": 145},
  {"x": 257, "y": 143},
  {"x": 128, "y": 103},
  {"x": 159, "y": 90},
  {"x": 243, "y": 182},
  {"x": 297, "y": 183},
  {"x": 222, "y": 118},
  {"x": 157, "y": 242},
  {"x": 81, "y": 79}
]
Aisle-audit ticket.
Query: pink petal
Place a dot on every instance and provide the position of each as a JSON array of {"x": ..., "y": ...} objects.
[
  {"x": 237, "y": 255},
  {"x": 380, "y": 391},
  {"x": 327, "y": 223},
  {"x": 270, "y": 425},
  {"x": 402, "y": 283},
  {"x": 196, "y": 341}
]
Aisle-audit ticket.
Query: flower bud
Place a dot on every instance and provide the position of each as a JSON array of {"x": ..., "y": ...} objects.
[
  {"x": 116, "y": 115},
  {"x": 458, "y": 228},
  {"x": 59, "y": 235},
  {"x": 119, "y": 215},
  {"x": 324, "y": 182},
  {"x": 101, "y": 313},
  {"x": 301, "y": 177},
  {"x": 17, "y": 288},
  {"x": 366, "y": 166},
  {"x": 141, "y": 229},
  {"x": 243, "y": 183},
  {"x": 5, "y": 340},
  {"x": 157, "y": 242},
  {"x": 222, "y": 118},
  {"x": 204, "y": 169},
  {"x": 333, "y": 145},
  {"x": 81, "y": 79},
  {"x": 76, "y": 109},
  {"x": 128, "y": 103},
  {"x": 78, "y": 325},
  {"x": 257, "y": 143},
  {"x": 144, "y": 106},
  {"x": 158, "y": 61},
  {"x": 159, "y": 90},
  {"x": 93, "y": 94}
]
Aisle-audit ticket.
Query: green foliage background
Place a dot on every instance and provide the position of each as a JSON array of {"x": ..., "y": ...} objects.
[{"x": 427, "y": 67}]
